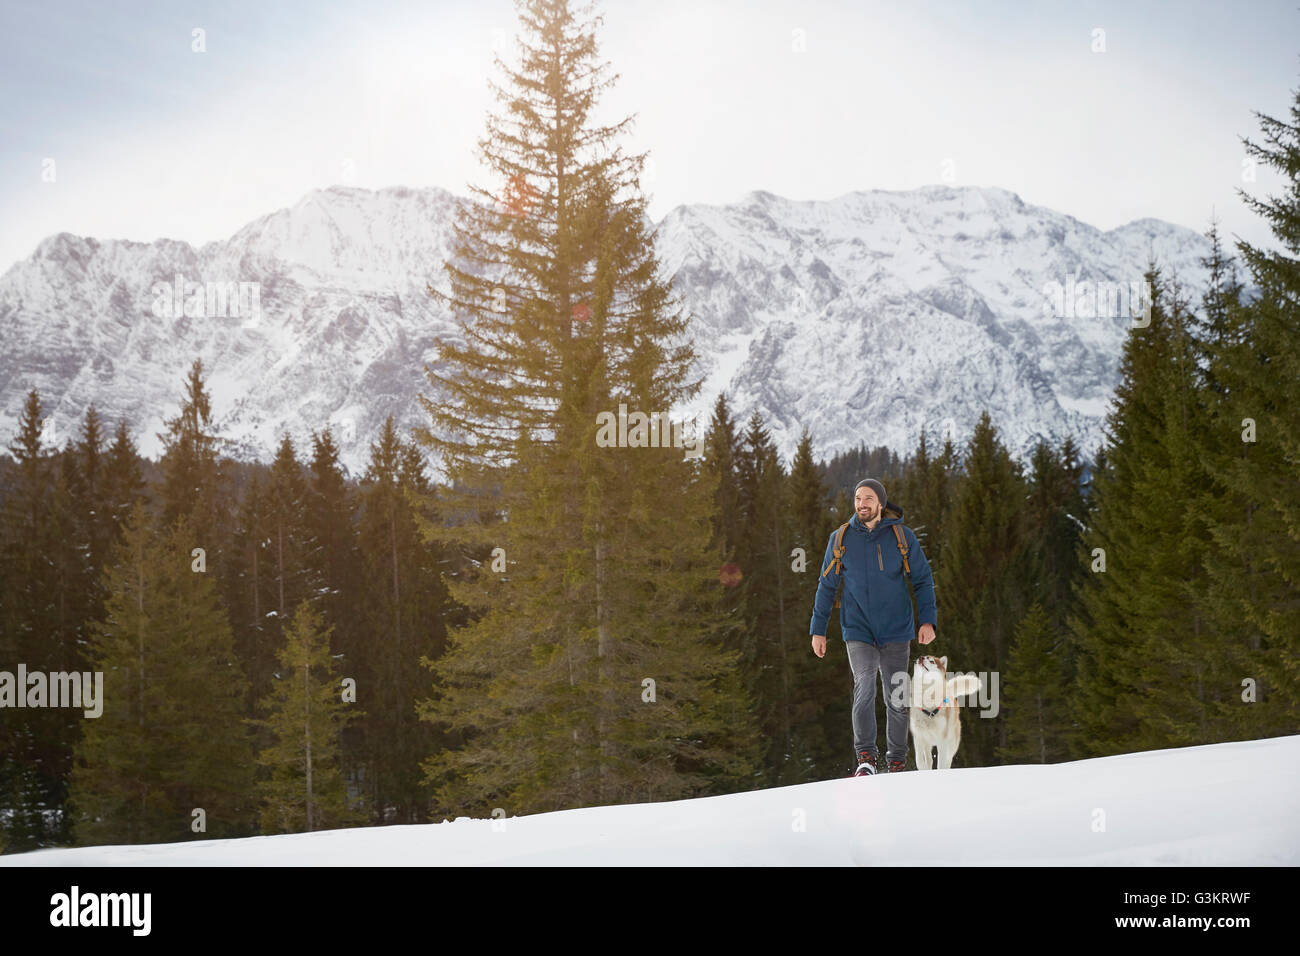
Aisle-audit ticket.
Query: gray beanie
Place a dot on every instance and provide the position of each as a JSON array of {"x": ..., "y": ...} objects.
[{"x": 875, "y": 486}]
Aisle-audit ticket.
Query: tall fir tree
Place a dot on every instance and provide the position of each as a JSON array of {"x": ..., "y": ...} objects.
[
  {"x": 1055, "y": 511},
  {"x": 304, "y": 787},
  {"x": 192, "y": 480},
  {"x": 770, "y": 640},
  {"x": 812, "y": 519},
  {"x": 1147, "y": 665},
  {"x": 73, "y": 601},
  {"x": 32, "y": 774},
  {"x": 286, "y": 528},
  {"x": 986, "y": 534},
  {"x": 820, "y": 708},
  {"x": 597, "y": 645},
  {"x": 1263, "y": 537},
  {"x": 254, "y": 607},
  {"x": 721, "y": 450},
  {"x": 404, "y": 612},
  {"x": 196, "y": 484},
  {"x": 1035, "y": 692},
  {"x": 95, "y": 511},
  {"x": 169, "y": 741},
  {"x": 123, "y": 481},
  {"x": 333, "y": 558},
  {"x": 926, "y": 494},
  {"x": 1233, "y": 576}
]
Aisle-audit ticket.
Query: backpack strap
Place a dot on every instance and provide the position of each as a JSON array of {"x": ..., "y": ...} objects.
[
  {"x": 907, "y": 570},
  {"x": 902, "y": 549},
  {"x": 837, "y": 559}
]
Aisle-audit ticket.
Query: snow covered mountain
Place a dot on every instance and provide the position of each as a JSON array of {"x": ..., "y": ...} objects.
[
  {"x": 868, "y": 317},
  {"x": 862, "y": 318},
  {"x": 1159, "y": 808}
]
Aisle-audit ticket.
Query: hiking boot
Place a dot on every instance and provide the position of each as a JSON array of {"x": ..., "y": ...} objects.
[
  {"x": 866, "y": 764},
  {"x": 897, "y": 766}
]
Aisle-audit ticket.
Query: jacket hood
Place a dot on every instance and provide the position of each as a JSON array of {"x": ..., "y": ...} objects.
[{"x": 891, "y": 514}]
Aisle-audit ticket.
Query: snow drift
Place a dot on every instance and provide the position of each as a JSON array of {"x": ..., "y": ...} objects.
[{"x": 1231, "y": 804}]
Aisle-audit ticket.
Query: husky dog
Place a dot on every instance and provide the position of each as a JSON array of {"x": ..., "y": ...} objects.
[{"x": 935, "y": 720}]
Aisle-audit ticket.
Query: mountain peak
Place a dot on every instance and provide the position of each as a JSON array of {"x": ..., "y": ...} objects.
[
  {"x": 864, "y": 318},
  {"x": 1146, "y": 226}
]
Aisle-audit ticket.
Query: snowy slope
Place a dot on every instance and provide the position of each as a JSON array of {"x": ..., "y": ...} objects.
[
  {"x": 1222, "y": 805},
  {"x": 863, "y": 317}
]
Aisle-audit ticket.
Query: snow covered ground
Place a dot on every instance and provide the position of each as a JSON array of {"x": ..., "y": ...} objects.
[{"x": 1220, "y": 805}]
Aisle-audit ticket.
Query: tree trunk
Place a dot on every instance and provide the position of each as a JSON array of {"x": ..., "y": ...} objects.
[
  {"x": 577, "y": 747},
  {"x": 306, "y": 686},
  {"x": 1042, "y": 735},
  {"x": 279, "y": 552},
  {"x": 781, "y": 635},
  {"x": 605, "y": 703},
  {"x": 139, "y": 603}
]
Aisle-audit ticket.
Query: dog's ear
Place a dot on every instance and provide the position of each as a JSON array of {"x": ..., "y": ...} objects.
[{"x": 944, "y": 661}]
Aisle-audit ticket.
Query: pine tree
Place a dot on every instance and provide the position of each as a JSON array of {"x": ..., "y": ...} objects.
[
  {"x": 31, "y": 778},
  {"x": 1033, "y": 697},
  {"x": 123, "y": 482},
  {"x": 96, "y": 511},
  {"x": 197, "y": 485},
  {"x": 1054, "y": 516},
  {"x": 1260, "y": 542},
  {"x": 721, "y": 450},
  {"x": 404, "y": 610},
  {"x": 1187, "y": 687},
  {"x": 1147, "y": 665},
  {"x": 926, "y": 495},
  {"x": 170, "y": 740},
  {"x": 73, "y": 601},
  {"x": 26, "y": 510},
  {"x": 253, "y": 605},
  {"x": 1233, "y": 574},
  {"x": 286, "y": 529},
  {"x": 333, "y": 559},
  {"x": 755, "y": 465},
  {"x": 820, "y": 708},
  {"x": 611, "y": 573},
  {"x": 812, "y": 520},
  {"x": 772, "y": 636},
  {"x": 304, "y": 788},
  {"x": 987, "y": 533},
  {"x": 192, "y": 479}
]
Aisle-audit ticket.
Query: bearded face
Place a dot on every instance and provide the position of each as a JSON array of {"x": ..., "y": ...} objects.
[{"x": 866, "y": 504}]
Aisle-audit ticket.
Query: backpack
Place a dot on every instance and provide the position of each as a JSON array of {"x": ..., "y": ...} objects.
[{"x": 837, "y": 552}]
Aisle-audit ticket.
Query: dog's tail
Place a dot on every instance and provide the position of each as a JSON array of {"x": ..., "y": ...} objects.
[{"x": 962, "y": 684}]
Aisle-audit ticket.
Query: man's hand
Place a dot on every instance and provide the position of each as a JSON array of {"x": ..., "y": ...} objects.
[
  {"x": 819, "y": 645},
  {"x": 926, "y": 634}
]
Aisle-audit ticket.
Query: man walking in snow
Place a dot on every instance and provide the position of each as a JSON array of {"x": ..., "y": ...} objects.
[{"x": 876, "y": 616}]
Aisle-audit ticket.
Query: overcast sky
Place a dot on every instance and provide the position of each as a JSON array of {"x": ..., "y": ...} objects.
[{"x": 808, "y": 100}]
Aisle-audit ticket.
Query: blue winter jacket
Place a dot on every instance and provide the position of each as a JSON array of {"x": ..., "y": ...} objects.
[{"x": 874, "y": 606}]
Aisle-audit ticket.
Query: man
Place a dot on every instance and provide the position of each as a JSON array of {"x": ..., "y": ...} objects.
[{"x": 876, "y": 617}]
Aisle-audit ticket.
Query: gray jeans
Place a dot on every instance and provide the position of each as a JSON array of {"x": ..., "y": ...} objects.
[{"x": 867, "y": 660}]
